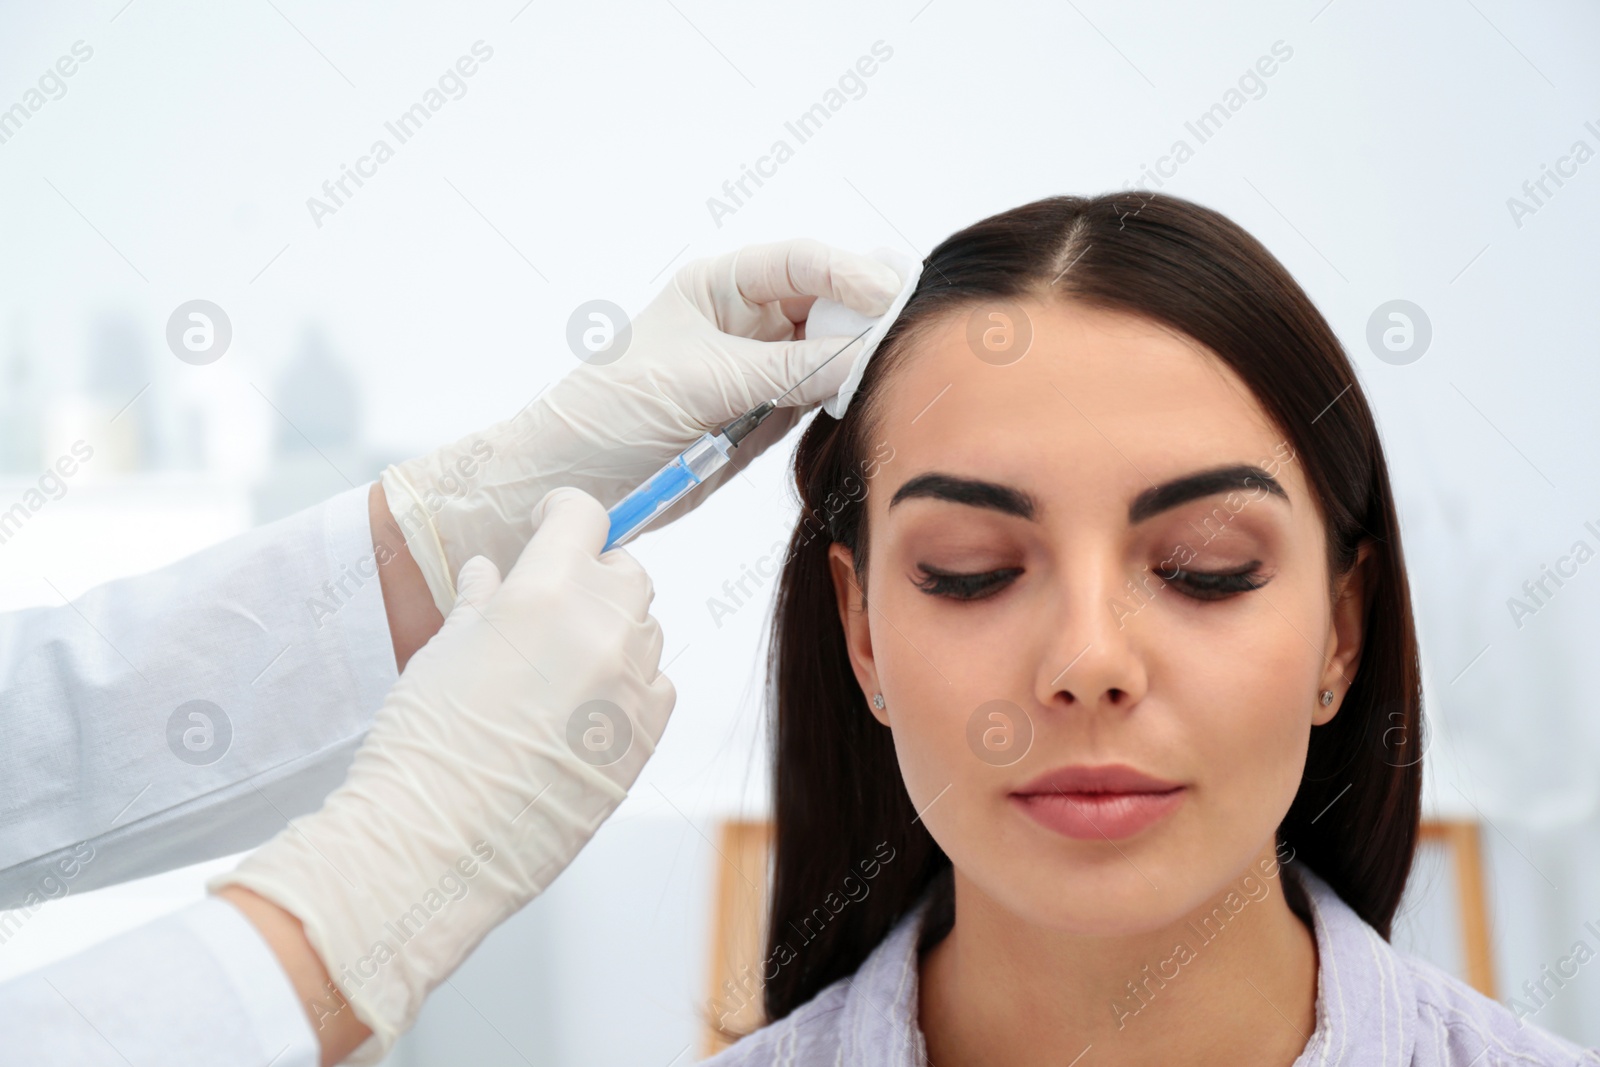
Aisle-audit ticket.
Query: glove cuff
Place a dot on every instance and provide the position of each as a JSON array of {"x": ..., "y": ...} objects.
[
  {"x": 421, "y": 537},
  {"x": 286, "y": 896}
]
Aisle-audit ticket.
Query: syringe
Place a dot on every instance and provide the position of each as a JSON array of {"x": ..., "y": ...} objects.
[{"x": 693, "y": 465}]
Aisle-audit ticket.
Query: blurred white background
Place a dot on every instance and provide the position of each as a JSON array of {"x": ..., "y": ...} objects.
[{"x": 1383, "y": 159}]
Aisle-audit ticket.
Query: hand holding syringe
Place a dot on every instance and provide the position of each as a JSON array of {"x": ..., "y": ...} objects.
[{"x": 694, "y": 465}]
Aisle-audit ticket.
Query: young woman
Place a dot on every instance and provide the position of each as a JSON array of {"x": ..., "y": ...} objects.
[{"x": 1097, "y": 696}]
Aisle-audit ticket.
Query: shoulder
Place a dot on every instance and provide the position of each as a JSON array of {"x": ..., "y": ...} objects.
[
  {"x": 867, "y": 1017},
  {"x": 811, "y": 1034},
  {"x": 1456, "y": 1024},
  {"x": 1376, "y": 1004}
]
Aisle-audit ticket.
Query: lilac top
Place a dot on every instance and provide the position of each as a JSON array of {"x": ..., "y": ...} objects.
[{"x": 1375, "y": 1007}]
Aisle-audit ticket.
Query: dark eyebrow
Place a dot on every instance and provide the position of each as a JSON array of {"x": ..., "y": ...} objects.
[
  {"x": 970, "y": 491},
  {"x": 1008, "y": 500},
  {"x": 1168, "y": 495}
]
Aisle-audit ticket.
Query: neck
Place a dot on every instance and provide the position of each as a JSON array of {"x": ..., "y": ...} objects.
[{"x": 1232, "y": 981}]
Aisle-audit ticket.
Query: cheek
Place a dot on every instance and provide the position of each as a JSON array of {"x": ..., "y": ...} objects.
[
  {"x": 959, "y": 797},
  {"x": 933, "y": 678},
  {"x": 1247, "y": 685},
  {"x": 922, "y": 708}
]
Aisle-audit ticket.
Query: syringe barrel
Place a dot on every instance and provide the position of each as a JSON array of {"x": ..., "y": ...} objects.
[{"x": 666, "y": 487}]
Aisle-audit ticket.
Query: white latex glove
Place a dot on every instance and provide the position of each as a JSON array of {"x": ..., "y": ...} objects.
[
  {"x": 510, "y": 737},
  {"x": 721, "y": 338}
]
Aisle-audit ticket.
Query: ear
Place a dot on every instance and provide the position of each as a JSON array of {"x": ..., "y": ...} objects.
[
  {"x": 852, "y": 601},
  {"x": 1343, "y": 654}
]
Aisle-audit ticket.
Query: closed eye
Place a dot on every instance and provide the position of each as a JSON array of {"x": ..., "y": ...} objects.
[
  {"x": 956, "y": 586},
  {"x": 1216, "y": 585}
]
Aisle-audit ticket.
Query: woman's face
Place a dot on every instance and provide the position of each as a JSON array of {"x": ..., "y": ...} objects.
[{"x": 1098, "y": 562}]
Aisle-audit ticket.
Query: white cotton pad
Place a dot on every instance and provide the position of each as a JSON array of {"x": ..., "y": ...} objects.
[{"x": 828, "y": 318}]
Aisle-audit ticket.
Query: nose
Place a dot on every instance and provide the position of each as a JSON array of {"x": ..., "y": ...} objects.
[{"x": 1091, "y": 659}]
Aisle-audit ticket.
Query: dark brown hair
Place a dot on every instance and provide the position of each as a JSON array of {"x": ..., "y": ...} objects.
[{"x": 840, "y": 800}]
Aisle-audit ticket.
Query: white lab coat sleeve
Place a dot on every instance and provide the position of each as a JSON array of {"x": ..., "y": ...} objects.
[
  {"x": 188, "y": 713},
  {"x": 197, "y": 987}
]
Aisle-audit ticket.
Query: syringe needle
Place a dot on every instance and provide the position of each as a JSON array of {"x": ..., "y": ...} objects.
[
  {"x": 739, "y": 428},
  {"x": 819, "y": 366}
]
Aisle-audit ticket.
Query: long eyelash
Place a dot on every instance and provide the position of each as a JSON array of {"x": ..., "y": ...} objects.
[
  {"x": 1210, "y": 585},
  {"x": 964, "y": 586},
  {"x": 1200, "y": 585}
]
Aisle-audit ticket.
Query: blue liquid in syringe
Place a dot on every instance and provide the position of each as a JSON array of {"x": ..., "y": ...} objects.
[{"x": 649, "y": 500}]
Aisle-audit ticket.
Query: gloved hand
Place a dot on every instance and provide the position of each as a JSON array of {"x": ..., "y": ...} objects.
[
  {"x": 718, "y": 340},
  {"x": 506, "y": 742}
]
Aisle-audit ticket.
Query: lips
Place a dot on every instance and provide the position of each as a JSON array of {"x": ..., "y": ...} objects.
[{"x": 1108, "y": 802}]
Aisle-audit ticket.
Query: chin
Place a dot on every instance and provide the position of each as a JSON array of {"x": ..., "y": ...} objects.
[
  {"x": 1091, "y": 889},
  {"x": 1103, "y": 902}
]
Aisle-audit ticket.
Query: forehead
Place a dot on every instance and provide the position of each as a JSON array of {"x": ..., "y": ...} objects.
[{"x": 1102, "y": 401}]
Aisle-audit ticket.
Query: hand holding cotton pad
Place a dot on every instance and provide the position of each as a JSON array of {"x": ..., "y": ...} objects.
[{"x": 830, "y": 318}]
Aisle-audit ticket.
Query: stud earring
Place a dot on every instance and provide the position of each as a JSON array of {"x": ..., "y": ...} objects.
[
  {"x": 1327, "y": 697},
  {"x": 877, "y": 701}
]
